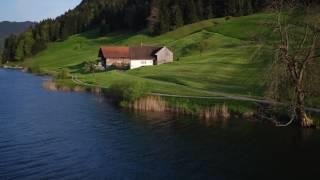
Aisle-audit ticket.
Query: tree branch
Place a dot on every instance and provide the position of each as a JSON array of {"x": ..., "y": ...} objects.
[
  {"x": 308, "y": 58},
  {"x": 316, "y": 56}
]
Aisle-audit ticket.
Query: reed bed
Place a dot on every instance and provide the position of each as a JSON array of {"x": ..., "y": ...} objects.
[
  {"x": 150, "y": 103},
  {"x": 49, "y": 85},
  {"x": 158, "y": 104},
  {"x": 53, "y": 86},
  {"x": 216, "y": 112}
]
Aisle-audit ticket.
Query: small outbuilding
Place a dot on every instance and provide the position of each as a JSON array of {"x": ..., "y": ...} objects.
[{"x": 134, "y": 57}]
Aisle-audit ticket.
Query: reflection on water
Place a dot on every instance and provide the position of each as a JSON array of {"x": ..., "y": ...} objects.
[{"x": 56, "y": 135}]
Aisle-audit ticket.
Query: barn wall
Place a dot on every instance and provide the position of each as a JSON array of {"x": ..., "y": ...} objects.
[
  {"x": 164, "y": 56},
  {"x": 141, "y": 63},
  {"x": 118, "y": 62}
]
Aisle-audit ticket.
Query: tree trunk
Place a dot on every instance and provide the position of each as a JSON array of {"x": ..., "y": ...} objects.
[{"x": 299, "y": 110}]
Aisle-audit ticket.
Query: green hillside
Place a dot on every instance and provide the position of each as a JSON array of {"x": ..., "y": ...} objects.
[{"x": 231, "y": 60}]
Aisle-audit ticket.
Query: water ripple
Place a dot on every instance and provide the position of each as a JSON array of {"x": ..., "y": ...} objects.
[{"x": 55, "y": 135}]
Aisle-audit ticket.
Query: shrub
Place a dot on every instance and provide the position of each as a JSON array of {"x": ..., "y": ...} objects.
[
  {"x": 35, "y": 69},
  {"x": 203, "y": 46},
  {"x": 92, "y": 67},
  {"x": 129, "y": 91},
  {"x": 1, "y": 59},
  {"x": 89, "y": 67},
  {"x": 63, "y": 74}
]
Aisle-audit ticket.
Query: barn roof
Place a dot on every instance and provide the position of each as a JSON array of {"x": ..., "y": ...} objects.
[
  {"x": 114, "y": 52},
  {"x": 143, "y": 52},
  {"x": 139, "y": 52}
]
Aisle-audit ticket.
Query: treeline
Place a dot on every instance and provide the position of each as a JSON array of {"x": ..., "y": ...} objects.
[
  {"x": 166, "y": 15},
  {"x": 108, "y": 15},
  {"x": 159, "y": 16}
]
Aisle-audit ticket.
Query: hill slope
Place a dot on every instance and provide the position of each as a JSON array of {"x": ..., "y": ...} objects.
[
  {"x": 230, "y": 63},
  {"x": 7, "y": 28},
  {"x": 157, "y": 16}
]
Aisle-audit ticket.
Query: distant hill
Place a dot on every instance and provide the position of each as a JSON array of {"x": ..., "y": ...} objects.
[{"x": 7, "y": 28}]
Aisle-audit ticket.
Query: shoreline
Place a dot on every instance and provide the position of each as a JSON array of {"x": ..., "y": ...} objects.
[
  {"x": 219, "y": 108},
  {"x": 12, "y": 67}
]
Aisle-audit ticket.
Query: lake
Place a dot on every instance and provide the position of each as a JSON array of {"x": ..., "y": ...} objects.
[{"x": 58, "y": 135}]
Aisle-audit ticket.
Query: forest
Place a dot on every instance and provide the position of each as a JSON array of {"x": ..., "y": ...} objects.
[{"x": 157, "y": 16}]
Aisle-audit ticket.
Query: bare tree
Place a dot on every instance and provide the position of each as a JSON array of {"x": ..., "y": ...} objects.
[{"x": 297, "y": 55}]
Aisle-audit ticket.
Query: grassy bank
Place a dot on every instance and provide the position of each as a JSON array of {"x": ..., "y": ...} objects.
[{"x": 216, "y": 57}]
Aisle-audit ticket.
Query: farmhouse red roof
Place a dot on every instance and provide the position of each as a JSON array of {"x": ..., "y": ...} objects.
[
  {"x": 143, "y": 52},
  {"x": 114, "y": 52}
]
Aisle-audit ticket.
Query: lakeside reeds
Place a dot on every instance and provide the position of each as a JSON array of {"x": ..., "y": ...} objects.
[
  {"x": 216, "y": 112},
  {"x": 53, "y": 86},
  {"x": 150, "y": 103},
  {"x": 158, "y": 104}
]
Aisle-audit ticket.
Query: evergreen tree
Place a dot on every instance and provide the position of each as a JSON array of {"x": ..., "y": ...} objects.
[
  {"x": 191, "y": 12},
  {"x": 28, "y": 43},
  {"x": 232, "y": 6},
  {"x": 177, "y": 17},
  {"x": 154, "y": 19},
  {"x": 19, "y": 52},
  {"x": 249, "y": 7},
  {"x": 55, "y": 31},
  {"x": 200, "y": 9},
  {"x": 208, "y": 11},
  {"x": 1, "y": 57},
  {"x": 8, "y": 53},
  {"x": 164, "y": 17},
  {"x": 39, "y": 46},
  {"x": 44, "y": 31}
]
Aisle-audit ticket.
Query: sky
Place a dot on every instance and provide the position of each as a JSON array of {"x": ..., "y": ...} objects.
[{"x": 34, "y": 10}]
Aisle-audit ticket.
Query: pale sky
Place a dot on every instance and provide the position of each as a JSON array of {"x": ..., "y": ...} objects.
[{"x": 34, "y": 10}]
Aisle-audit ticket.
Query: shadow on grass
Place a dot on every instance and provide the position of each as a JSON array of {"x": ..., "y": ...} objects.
[
  {"x": 119, "y": 37},
  {"x": 167, "y": 79},
  {"x": 78, "y": 68}
]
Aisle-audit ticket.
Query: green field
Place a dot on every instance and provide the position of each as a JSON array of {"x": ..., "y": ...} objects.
[{"x": 232, "y": 61}]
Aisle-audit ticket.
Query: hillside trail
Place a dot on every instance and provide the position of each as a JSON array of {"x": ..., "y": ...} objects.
[{"x": 215, "y": 95}]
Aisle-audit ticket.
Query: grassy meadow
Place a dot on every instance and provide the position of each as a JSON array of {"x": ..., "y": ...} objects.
[{"x": 229, "y": 62}]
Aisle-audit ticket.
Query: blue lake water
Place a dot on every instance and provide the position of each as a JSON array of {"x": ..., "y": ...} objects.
[{"x": 57, "y": 135}]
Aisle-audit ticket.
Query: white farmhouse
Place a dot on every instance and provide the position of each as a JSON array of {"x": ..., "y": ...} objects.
[{"x": 134, "y": 57}]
